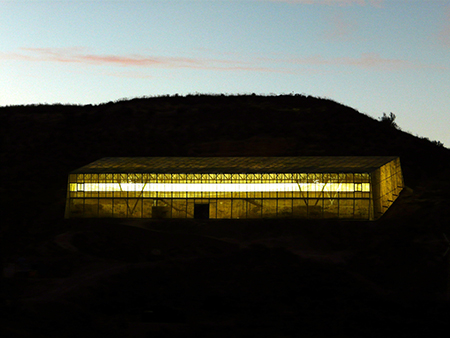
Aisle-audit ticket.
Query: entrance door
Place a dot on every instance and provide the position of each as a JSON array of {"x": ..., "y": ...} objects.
[{"x": 201, "y": 211}]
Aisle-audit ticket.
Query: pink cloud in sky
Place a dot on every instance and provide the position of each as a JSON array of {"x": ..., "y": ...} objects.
[
  {"x": 281, "y": 64},
  {"x": 82, "y": 56},
  {"x": 369, "y": 61}
]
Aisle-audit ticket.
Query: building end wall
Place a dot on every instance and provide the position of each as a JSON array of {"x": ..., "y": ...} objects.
[{"x": 387, "y": 183}]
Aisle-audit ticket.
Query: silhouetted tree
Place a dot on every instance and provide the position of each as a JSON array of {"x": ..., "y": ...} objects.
[{"x": 389, "y": 120}]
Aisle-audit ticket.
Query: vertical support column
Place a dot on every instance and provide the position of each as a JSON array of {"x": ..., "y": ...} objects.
[
  {"x": 186, "y": 195},
  {"x": 276, "y": 196}
]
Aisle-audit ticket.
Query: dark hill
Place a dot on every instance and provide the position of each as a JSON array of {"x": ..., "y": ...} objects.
[
  {"x": 42, "y": 143},
  {"x": 399, "y": 256}
]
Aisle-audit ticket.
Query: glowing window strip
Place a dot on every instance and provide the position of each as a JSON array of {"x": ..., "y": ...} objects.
[{"x": 221, "y": 187}]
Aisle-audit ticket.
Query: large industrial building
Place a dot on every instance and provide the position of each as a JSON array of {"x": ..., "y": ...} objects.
[{"x": 360, "y": 188}]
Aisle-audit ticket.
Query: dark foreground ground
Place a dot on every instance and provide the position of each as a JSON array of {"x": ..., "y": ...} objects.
[{"x": 265, "y": 278}]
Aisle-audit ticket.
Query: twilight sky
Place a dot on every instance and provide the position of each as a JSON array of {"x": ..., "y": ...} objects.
[{"x": 373, "y": 55}]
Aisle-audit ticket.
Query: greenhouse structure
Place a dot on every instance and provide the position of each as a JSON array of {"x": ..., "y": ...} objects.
[{"x": 349, "y": 187}]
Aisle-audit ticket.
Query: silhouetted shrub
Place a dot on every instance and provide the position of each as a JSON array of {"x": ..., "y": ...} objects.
[{"x": 389, "y": 120}]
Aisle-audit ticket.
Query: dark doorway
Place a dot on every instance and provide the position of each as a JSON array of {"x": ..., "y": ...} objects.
[{"x": 201, "y": 211}]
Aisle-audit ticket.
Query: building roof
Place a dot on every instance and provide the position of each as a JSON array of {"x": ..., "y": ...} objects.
[{"x": 303, "y": 164}]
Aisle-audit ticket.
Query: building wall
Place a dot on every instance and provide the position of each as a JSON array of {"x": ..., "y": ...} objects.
[
  {"x": 220, "y": 208},
  {"x": 387, "y": 183},
  {"x": 314, "y": 195}
]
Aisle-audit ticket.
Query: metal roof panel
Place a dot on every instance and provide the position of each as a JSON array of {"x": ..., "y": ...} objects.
[{"x": 304, "y": 164}]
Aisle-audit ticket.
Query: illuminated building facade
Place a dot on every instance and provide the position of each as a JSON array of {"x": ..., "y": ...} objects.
[{"x": 360, "y": 188}]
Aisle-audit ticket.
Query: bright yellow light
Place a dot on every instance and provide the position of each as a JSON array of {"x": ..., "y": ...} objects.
[{"x": 221, "y": 187}]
